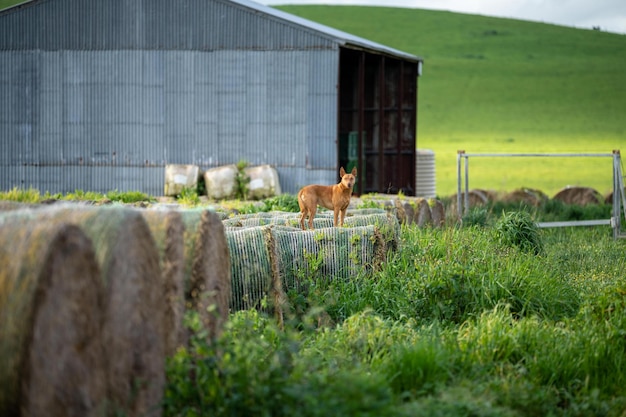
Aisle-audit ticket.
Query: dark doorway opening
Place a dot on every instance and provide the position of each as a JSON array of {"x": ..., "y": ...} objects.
[{"x": 377, "y": 121}]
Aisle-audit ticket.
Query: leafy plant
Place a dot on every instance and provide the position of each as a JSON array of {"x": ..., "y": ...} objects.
[
  {"x": 241, "y": 180},
  {"x": 189, "y": 197},
  {"x": 517, "y": 228}
]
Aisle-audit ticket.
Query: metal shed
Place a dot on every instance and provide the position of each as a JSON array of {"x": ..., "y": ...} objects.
[{"x": 100, "y": 95}]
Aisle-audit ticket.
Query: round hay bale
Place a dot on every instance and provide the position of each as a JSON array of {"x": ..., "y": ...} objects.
[
  {"x": 409, "y": 211},
  {"x": 526, "y": 196},
  {"x": 51, "y": 312},
  {"x": 438, "y": 212},
  {"x": 476, "y": 198},
  {"x": 423, "y": 214},
  {"x": 207, "y": 268},
  {"x": 330, "y": 253},
  {"x": 386, "y": 223},
  {"x": 6, "y": 205},
  {"x": 581, "y": 196},
  {"x": 609, "y": 197},
  {"x": 253, "y": 273},
  {"x": 167, "y": 228},
  {"x": 400, "y": 213},
  {"x": 133, "y": 301},
  {"x": 265, "y": 219}
]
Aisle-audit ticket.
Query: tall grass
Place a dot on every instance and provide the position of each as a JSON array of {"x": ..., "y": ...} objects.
[{"x": 456, "y": 323}]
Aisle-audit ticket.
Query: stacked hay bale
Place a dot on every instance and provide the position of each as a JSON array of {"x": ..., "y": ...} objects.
[
  {"x": 91, "y": 302},
  {"x": 207, "y": 269},
  {"x": 133, "y": 315},
  {"x": 272, "y": 255},
  {"x": 51, "y": 343},
  {"x": 255, "y": 279},
  {"x": 167, "y": 229},
  {"x": 132, "y": 322},
  {"x": 325, "y": 254}
]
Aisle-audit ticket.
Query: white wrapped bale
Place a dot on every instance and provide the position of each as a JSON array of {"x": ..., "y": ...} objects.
[
  {"x": 220, "y": 182},
  {"x": 179, "y": 177},
  {"x": 263, "y": 183}
]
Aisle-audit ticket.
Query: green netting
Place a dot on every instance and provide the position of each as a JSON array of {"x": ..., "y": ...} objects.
[
  {"x": 251, "y": 267},
  {"x": 271, "y": 254},
  {"x": 264, "y": 219},
  {"x": 328, "y": 253}
]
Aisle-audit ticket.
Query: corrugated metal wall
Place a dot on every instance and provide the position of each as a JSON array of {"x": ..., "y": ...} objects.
[{"x": 101, "y": 97}]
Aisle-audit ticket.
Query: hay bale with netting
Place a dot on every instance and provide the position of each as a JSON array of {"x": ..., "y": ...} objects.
[
  {"x": 423, "y": 214},
  {"x": 385, "y": 222},
  {"x": 207, "y": 268},
  {"x": 581, "y": 196},
  {"x": 51, "y": 311},
  {"x": 133, "y": 319},
  {"x": 167, "y": 229},
  {"x": 255, "y": 278},
  {"x": 330, "y": 253},
  {"x": 281, "y": 218}
]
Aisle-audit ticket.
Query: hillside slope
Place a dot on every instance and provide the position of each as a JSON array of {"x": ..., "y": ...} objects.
[{"x": 503, "y": 85}]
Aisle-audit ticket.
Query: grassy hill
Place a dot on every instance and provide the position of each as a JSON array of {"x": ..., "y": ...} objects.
[{"x": 503, "y": 85}]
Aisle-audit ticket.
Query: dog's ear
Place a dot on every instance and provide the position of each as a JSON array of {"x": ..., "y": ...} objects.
[
  {"x": 342, "y": 172},
  {"x": 354, "y": 171}
]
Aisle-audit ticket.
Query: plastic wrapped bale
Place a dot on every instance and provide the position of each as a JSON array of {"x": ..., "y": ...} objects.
[
  {"x": 51, "y": 311},
  {"x": 207, "y": 268},
  {"x": 179, "y": 177},
  {"x": 328, "y": 253},
  {"x": 168, "y": 230},
  {"x": 133, "y": 321},
  {"x": 254, "y": 270},
  {"x": 263, "y": 183},
  {"x": 220, "y": 182}
]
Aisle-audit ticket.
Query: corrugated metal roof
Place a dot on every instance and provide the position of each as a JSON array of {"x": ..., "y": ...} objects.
[
  {"x": 343, "y": 38},
  {"x": 339, "y": 37}
]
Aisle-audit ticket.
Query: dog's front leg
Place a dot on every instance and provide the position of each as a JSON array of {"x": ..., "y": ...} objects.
[
  {"x": 336, "y": 216},
  {"x": 342, "y": 213}
]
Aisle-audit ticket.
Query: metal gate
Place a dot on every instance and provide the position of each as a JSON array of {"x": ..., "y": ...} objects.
[{"x": 619, "y": 197}]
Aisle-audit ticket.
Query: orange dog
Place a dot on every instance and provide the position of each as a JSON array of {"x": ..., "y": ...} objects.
[{"x": 333, "y": 197}]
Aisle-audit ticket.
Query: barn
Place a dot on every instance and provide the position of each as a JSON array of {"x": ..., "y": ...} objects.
[{"x": 101, "y": 95}]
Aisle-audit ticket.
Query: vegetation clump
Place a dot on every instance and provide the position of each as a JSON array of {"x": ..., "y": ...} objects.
[{"x": 455, "y": 323}]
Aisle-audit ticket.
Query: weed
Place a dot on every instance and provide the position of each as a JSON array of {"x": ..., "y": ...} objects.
[
  {"x": 188, "y": 197},
  {"x": 241, "y": 180},
  {"x": 517, "y": 228}
]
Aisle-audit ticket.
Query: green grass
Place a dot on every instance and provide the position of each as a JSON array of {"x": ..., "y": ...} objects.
[
  {"x": 457, "y": 323},
  {"x": 502, "y": 85}
]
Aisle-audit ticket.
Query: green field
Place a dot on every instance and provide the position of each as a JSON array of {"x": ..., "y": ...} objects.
[{"x": 502, "y": 85}]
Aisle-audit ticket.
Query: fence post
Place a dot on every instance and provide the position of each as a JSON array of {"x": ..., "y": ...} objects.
[{"x": 459, "y": 207}]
